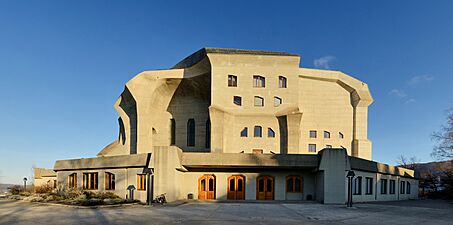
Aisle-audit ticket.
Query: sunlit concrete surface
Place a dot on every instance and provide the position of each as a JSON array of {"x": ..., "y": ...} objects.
[{"x": 403, "y": 212}]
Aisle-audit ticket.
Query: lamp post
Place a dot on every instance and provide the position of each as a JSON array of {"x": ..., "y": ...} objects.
[
  {"x": 350, "y": 175},
  {"x": 25, "y": 184}
]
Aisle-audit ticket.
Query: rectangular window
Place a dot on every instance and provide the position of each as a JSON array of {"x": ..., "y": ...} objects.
[
  {"x": 340, "y": 135},
  {"x": 109, "y": 181},
  {"x": 408, "y": 187},
  {"x": 357, "y": 187},
  {"x": 258, "y": 131},
  {"x": 402, "y": 185},
  {"x": 232, "y": 81},
  {"x": 311, "y": 148},
  {"x": 257, "y": 151},
  {"x": 237, "y": 100},
  {"x": 369, "y": 186},
  {"x": 259, "y": 81},
  {"x": 172, "y": 132},
  {"x": 259, "y": 101},
  {"x": 326, "y": 134},
  {"x": 90, "y": 181},
  {"x": 72, "y": 180},
  {"x": 277, "y": 101},
  {"x": 282, "y": 82},
  {"x": 392, "y": 187},
  {"x": 270, "y": 132},
  {"x": 383, "y": 186},
  {"x": 141, "y": 182},
  {"x": 312, "y": 134}
]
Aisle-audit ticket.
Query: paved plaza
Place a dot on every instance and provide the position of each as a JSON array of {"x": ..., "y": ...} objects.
[{"x": 403, "y": 212}]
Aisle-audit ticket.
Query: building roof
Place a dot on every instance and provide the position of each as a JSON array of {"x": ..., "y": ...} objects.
[
  {"x": 43, "y": 172},
  {"x": 121, "y": 161},
  {"x": 202, "y": 53},
  {"x": 372, "y": 166}
]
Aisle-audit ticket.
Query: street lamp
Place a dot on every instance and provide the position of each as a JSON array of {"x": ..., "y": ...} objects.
[
  {"x": 350, "y": 175},
  {"x": 25, "y": 184}
]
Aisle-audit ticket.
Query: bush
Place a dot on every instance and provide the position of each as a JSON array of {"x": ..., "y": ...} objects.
[
  {"x": 15, "y": 190},
  {"x": 47, "y": 188}
]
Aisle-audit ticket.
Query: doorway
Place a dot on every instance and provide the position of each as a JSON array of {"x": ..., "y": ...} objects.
[
  {"x": 236, "y": 187},
  {"x": 206, "y": 187},
  {"x": 265, "y": 188}
]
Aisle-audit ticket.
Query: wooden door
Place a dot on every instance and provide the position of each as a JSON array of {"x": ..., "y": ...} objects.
[
  {"x": 236, "y": 187},
  {"x": 265, "y": 188},
  {"x": 206, "y": 187}
]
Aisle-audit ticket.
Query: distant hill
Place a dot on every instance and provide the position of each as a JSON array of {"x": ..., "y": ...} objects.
[
  {"x": 434, "y": 167},
  {"x": 4, "y": 187}
]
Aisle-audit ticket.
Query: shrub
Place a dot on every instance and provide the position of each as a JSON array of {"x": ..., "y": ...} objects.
[
  {"x": 47, "y": 188},
  {"x": 15, "y": 190}
]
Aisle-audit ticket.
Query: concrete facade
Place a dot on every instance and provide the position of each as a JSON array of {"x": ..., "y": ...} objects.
[
  {"x": 227, "y": 112},
  {"x": 43, "y": 176}
]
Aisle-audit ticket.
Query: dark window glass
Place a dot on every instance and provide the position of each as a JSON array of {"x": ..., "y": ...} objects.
[
  {"x": 311, "y": 147},
  {"x": 191, "y": 132},
  {"x": 237, "y": 100},
  {"x": 289, "y": 185},
  {"x": 282, "y": 82},
  {"x": 232, "y": 184},
  {"x": 211, "y": 184},
  {"x": 357, "y": 188},
  {"x": 239, "y": 184},
  {"x": 392, "y": 186},
  {"x": 270, "y": 132},
  {"x": 173, "y": 131},
  {"x": 232, "y": 81},
  {"x": 297, "y": 184},
  {"x": 402, "y": 185},
  {"x": 244, "y": 132},
  {"x": 369, "y": 186},
  {"x": 258, "y": 131},
  {"x": 203, "y": 184},
  {"x": 261, "y": 185},
  {"x": 408, "y": 188},
  {"x": 269, "y": 185},
  {"x": 208, "y": 134},
  {"x": 383, "y": 186}
]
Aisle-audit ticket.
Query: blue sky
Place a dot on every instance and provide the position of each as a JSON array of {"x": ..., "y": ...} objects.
[{"x": 64, "y": 63}]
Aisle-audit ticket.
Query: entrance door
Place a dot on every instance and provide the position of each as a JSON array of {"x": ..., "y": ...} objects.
[
  {"x": 236, "y": 187},
  {"x": 265, "y": 188},
  {"x": 206, "y": 187}
]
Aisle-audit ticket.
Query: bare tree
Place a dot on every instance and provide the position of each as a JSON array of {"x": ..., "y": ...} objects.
[
  {"x": 408, "y": 163},
  {"x": 443, "y": 150}
]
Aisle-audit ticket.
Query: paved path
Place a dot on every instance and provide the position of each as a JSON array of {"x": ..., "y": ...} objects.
[{"x": 405, "y": 212}]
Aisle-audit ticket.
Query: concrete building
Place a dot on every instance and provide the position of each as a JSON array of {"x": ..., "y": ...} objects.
[{"x": 241, "y": 124}]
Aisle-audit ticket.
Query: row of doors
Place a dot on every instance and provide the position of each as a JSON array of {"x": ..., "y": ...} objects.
[{"x": 236, "y": 187}]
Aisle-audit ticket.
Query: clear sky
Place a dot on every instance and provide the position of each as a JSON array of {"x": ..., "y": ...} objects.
[{"x": 64, "y": 63}]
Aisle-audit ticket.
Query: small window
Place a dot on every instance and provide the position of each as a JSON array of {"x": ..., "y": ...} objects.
[
  {"x": 402, "y": 185},
  {"x": 141, "y": 182},
  {"x": 109, "y": 181},
  {"x": 282, "y": 82},
  {"x": 90, "y": 181},
  {"x": 340, "y": 135},
  {"x": 392, "y": 187},
  {"x": 232, "y": 81},
  {"x": 244, "y": 132},
  {"x": 259, "y": 101},
  {"x": 312, "y": 134},
  {"x": 207, "y": 138},
  {"x": 328, "y": 146},
  {"x": 294, "y": 184},
  {"x": 277, "y": 101},
  {"x": 326, "y": 134},
  {"x": 369, "y": 186},
  {"x": 259, "y": 81},
  {"x": 408, "y": 187},
  {"x": 357, "y": 186},
  {"x": 311, "y": 148},
  {"x": 383, "y": 186},
  {"x": 237, "y": 100},
  {"x": 172, "y": 132},
  {"x": 257, "y": 151},
  {"x": 270, "y": 132},
  {"x": 72, "y": 182},
  {"x": 258, "y": 131}
]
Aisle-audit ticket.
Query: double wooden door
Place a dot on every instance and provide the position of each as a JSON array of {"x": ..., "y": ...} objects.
[
  {"x": 265, "y": 188},
  {"x": 206, "y": 187},
  {"x": 236, "y": 187}
]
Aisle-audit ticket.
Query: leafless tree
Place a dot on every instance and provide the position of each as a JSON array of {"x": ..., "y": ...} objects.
[
  {"x": 408, "y": 163},
  {"x": 443, "y": 150}
]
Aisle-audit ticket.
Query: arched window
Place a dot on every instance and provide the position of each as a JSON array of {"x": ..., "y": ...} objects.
[
  {"x": 282, "y": 82},
  {"x": 208, "y": 134},
  {"x": 270, "y": 132},
  {"x": 172, "y": 132},
  {"x": 326, "y": 134},
  {"x": 191, "y": 132},
  {"x": 258, "y": 131},
  {"x": 259, "y": 81},
  {"x": 244, "y": 132}
]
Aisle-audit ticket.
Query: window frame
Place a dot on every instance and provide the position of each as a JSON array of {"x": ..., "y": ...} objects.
[
  {"x": 141, "y": 182},
  {"x": 340, "y": 135},
  {"x": 326, "y": 134},
  {"x": 282, "y": 82},
  {"x": 311, "y": 145},
  {"x": 237, "y": 97},
  {"x": 109, "y": 181},
  {"x": 191, "y": 141},
  {"x": 408, "y": 187},
  {"x": 259, "y": 81},
  {"x": 246, "y": 132},
  {"x": 384, "y": 184},
  {"x": 402, "y": 187},
  {"x": 357, "y": 186},
  {"x": 254, "y": 101},
  {"x": 270, "y": 131},
  {"x": 312, "y": 132},
  {"x": 368, "y": 185},
  {"x": 280, "y": 101},
  {"x": 293, "y": 188},
  {"x": 72, "y": 180},
  {"x": 233, "y": 82},
  {"x": 172, "y": 131},
  {"x": 392, "y": 187},
  {"x": 260, "y": 131},
  {"x": 87, "y": 184}
]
